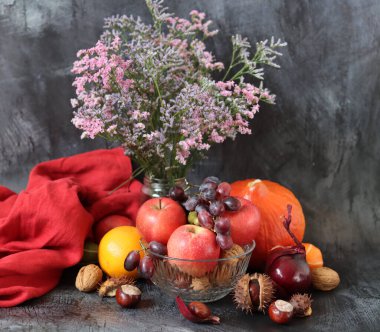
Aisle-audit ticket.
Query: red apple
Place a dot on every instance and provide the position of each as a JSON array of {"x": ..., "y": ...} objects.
[
  {"x": 158, "y": 218},
  {"x": 245, "y": 223},
  {"x": 106, "y": 224},
  {"x": 193, "y": 242}
]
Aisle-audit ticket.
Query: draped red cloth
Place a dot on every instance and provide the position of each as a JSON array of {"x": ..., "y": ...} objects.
[{"x": 44, "y": 227}]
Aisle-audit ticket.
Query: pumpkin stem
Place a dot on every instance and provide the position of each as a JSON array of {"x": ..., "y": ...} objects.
[
  {"x": 286, "y": 222},
  {"x": 253, "y": 183}
]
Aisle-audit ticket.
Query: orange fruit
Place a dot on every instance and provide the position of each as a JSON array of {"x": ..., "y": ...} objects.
[
  {"x": 114, "y": 247},
  {"x": 313, "y": 256}
]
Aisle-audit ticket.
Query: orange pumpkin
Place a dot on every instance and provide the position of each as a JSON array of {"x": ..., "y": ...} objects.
[{"x": 271, "y": 199}]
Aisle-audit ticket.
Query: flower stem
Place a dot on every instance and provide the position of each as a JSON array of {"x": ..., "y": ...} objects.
[
  {"x": 135, "y": 173},
  {"x": 230, "y": 66}
]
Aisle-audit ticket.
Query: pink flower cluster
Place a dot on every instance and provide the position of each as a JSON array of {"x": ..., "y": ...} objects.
[
  {"x": 99, "y": 70},
  {"x": 205, "y": 58},
  {"x": 246, "y": 95},
  {"x": 204, "y": 120},
  {"x": 101, "y": 64},
  {"x": 183, "y": 26},
  {"x": 150, "y": 87},
  {"x": 179, "y": 27}
]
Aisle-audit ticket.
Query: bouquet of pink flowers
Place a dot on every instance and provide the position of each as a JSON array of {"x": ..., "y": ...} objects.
[{"x": 150, "y": 87}]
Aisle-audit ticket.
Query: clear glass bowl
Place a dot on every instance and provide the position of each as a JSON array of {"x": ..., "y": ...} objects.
[{"x": 176, "y": 276}]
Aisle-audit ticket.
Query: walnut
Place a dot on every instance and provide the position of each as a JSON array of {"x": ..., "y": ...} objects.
[
  {"x": 88, "y": 278},
  {"x": 324, "y": 278}
]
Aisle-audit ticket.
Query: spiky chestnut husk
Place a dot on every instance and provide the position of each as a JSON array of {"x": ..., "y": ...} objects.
[
  {"x": 226, "y": 269},
  {"x": 254, "y": 292},
  {"x": 182, "y": 281},
  {"x": 242, "y": 298},
  {"x": 267, "y": 290},
  {"x": 301, "y": 304},
  {"x": 200, "y": 284},
  {"x": 235, "y": 250},
  {"x": 109, "y": 287}
]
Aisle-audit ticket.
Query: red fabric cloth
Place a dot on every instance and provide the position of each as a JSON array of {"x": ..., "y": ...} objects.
[{"x": 43, "y": 229}]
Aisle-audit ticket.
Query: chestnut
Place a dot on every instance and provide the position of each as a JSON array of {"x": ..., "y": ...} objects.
[
  {"x": 127, "y": 296},
  {"x": 199, "y": 309},
  {"x": 280, "y": 312},
  {"x": 196, "y": 312}
]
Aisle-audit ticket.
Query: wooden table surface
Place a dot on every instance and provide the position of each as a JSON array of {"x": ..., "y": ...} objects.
[{"x": 353, "y": 306}]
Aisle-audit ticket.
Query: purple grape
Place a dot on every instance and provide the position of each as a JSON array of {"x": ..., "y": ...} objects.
[
  {"x": 232, "y": 203},
  {"x": 216, "y": 208},
  {"x": 158, "y": 248},
  {"x": 203, "y": 201},
  {"x": 200, "y": 207},
  {"x": 208, "y": 191},
  {"x": 177, "y": 193},
  {"x": 225, "y": 241},
  {"x": 207, "y": 186},
  {"x": 211, "y": 179},
  {"x": 132, "y": 260},
  {"x": 208, "y": 194},
  {"x": 222, "y": 225},
  {"x": 205, "y": 219},
  {"x": 146, "y": 267},
  {"x": 191, "y": 203},
  {"x": 223, "y": 189}
]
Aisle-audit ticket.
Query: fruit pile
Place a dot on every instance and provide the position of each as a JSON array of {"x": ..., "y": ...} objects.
[
  {"x": 192, "y": 231},
  {"x": 207, "y": 208},
  {"x": 201, "y": 226}
]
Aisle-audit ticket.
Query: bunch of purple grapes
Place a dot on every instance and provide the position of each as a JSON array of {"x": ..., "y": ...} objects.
[
  {"x": 145, "y": 266},
  {"x": 209, "y": 203}
]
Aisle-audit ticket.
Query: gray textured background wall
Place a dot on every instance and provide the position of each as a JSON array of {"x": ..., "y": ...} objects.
[{"x": 321, "y": 139}]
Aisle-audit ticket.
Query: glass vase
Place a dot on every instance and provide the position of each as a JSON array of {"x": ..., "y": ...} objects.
[{"x": 156, "y": 187}]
